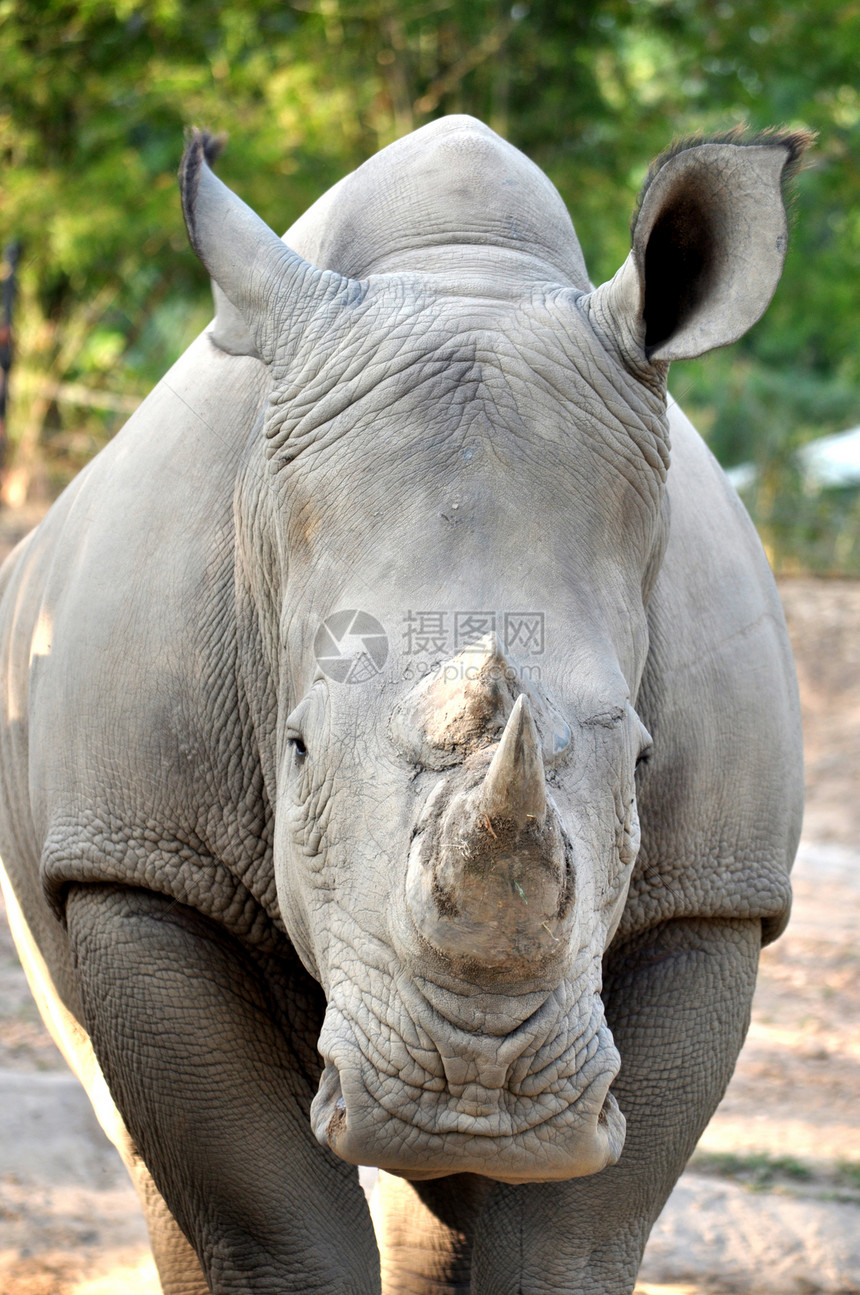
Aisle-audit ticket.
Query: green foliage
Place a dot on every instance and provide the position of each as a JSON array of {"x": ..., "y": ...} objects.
[
  {"x": 94, "y": 96},
  {"x": 849, "y": 1172},
  {"x": 761, "y": 1171},
  {"x": 761, "y": 415},
  {"x": 758, "y": 1169}
]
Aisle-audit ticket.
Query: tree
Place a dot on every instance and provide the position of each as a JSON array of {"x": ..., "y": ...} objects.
[{"x": 95, "y": 95}]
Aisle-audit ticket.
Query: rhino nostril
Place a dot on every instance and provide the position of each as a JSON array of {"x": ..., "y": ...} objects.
[
  {"x": 337, "y": 1123},
  {"x": 328, "y": 1108}
]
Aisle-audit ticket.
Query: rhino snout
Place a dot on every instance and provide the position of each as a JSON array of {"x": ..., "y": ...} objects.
[{"x": 439, "y": 1098}]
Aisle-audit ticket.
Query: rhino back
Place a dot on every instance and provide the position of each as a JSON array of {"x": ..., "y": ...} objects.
[{"x": 720, "y": 803}]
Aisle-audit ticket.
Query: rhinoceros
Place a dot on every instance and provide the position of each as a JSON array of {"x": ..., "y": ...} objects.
[{"x": 400, "y": 748}]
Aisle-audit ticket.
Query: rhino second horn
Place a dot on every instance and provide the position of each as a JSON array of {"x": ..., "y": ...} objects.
[{"x": 514, "y": 789}]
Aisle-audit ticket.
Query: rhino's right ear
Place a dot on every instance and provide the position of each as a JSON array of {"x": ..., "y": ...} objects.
[
  {"x": 263, "y": 284},
  {"x": 709, "y": 241}
]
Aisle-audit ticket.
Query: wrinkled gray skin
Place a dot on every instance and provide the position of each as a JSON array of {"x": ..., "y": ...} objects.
[{"x": 223, "y": 860}]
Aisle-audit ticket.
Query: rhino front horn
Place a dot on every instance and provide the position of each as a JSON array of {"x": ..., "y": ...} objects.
[
  {"x": 490, "y": 880},
  {"x": 514, "y": 789}
]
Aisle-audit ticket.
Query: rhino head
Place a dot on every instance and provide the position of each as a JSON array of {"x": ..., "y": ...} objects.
[{"x": 458, "y": 423}]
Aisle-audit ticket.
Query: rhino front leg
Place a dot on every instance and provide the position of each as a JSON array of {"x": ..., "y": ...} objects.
[
  {"x": 678, "y": 1001},
  {"x": 216, "y": 1099},
  {"x": 179, "y": 1270},
  {"x": 426, "y": 1232}
]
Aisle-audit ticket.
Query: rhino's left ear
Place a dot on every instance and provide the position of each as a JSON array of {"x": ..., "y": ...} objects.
[
  {"x": 709, "y": 241},
  {"x": 229, "y": 331},
  {"x": 271, "y": 289}
]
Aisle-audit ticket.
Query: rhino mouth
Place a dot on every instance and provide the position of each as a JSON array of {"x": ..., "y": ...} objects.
[
  {"x": 428, "y": 1098},
  {"x": 551, "y": 1156}
]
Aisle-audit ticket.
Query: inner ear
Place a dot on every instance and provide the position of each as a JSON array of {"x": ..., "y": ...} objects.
[
  {"x": 681, "y": 257},
  {"x": 709, "y": 241}
]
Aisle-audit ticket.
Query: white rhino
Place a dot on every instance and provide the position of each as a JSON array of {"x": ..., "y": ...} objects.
[{"x": 325, "y": 684}]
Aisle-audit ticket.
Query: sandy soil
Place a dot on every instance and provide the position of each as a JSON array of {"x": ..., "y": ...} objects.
[
  {"x": 771, "y": 1202},
  {"x": 824, "y": 623}
]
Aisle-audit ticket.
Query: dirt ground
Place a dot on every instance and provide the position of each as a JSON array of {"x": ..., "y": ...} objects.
[{"x": 771, "y": 1202}]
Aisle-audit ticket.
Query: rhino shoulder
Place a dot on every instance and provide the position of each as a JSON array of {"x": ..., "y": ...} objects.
[{"x": 117, "y": 629}]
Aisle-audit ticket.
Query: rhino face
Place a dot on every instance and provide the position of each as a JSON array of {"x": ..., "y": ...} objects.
[{"x": 453, "y": 851}]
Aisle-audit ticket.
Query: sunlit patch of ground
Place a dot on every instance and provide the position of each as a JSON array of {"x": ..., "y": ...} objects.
[
  {"x": 63, "y": 1238},
  {"x": 110, "y": 1273},
  {"x": 796, "y": 1090},
  {"x": 651, "y": 1288}
]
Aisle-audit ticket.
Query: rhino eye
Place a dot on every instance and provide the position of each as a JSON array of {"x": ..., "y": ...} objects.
[{"x": 297, "y": 742}]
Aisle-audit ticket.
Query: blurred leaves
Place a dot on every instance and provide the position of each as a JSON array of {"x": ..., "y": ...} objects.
[{"x": 94, "y": 96}]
